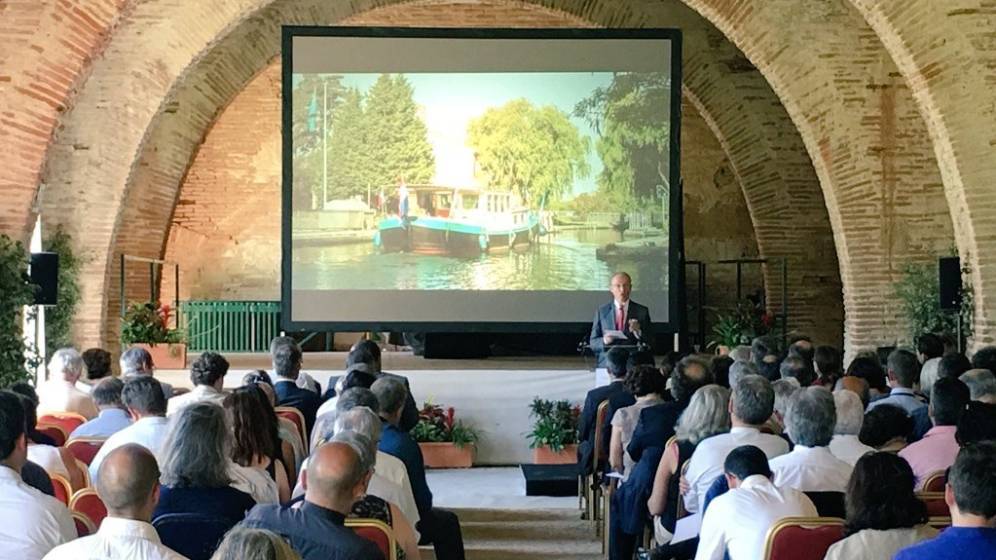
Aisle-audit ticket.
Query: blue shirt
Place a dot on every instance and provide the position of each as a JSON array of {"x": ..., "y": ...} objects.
[
  {"x": 109, "y": 422},
  {"x": 902, "y": 397},
  {"x": 954, "y": 543},
  {"x": 401, "y": 445},
  {"x": 315, "y": 533}
]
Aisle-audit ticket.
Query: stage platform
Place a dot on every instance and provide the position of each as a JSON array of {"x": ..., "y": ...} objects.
[{"x": 492, "y": 395}]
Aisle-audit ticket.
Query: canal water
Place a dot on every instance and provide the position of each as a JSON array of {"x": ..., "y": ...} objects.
[{"x": 565, "y": 260}]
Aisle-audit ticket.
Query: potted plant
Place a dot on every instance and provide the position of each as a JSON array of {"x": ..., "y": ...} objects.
[
  {"x": 741, "y": 325},
  {"x": 554, "y": 439},
  {"x": 146, "y": 325},
  {"x": 445, "y": 442}
]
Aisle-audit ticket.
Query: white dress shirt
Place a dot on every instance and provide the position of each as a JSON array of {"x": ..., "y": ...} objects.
[
  {"x": 57, "y": 395},
  {"x": 305, "y": 381},
  {"x": 48, "y": 458},
  {"x": 738, "y": 521},
  {"x": 811, "y": 469},
  {"x": 848, "y": 448},
  {"x": 200, "y": 393},
  {"x": 707, "y": 461},
  {"x": 928, "y": 375},
  {"x": 31, "y": 523},
  {"x": 873, "y": 544},
  {"x": 117, "y": 539},
  {"x": 149, "y": 432}
]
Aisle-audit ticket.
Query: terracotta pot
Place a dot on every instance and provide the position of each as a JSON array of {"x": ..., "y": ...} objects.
[
  {"x": 446, "y": 455},
  {"x": 545, "y": 456},
  {"x": 166, "y": 356}
]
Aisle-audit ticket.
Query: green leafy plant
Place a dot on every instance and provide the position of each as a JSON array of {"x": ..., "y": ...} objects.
[
  {"x": 59, "y": 318},
  {"x": 919, "y": 294},
  {"x": 555, "y": 425},
  {"x": 741, "y": 325},
  {"x": 436, "y": 425},
  {"x": 16, "y": 291},
  {"x": 148, "y": 323}
]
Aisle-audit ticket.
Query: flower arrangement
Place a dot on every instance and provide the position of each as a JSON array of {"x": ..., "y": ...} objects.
[
  {"x": 741, "y": 325},
  {"x": 149, "y": 323},
  {"x": 437, "y": 425},
  {"x": 555, "y": 425}
]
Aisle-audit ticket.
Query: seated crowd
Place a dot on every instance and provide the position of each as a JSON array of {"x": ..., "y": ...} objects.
[
  {"x": 214, "y": 473},
  {"x": 724, "y": 447}
]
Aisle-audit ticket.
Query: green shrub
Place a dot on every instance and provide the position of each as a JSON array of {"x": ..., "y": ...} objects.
[
  {"x": 555, "y": 425},
  {"x": 15, "y": 292},
  {"x": 59, "y": 318},
  {"x": 436, "y": 425},
  {"x": 919, "y": 295}
]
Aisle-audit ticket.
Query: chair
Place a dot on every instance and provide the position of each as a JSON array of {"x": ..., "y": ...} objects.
[
  {"x": 84, "y": 527},
  {"x": 87, "y": 483},
  {"x": 85, "y": 449},
  {"x": 295, "y": 416},
  {"x": 88, "y": 503},
  {"x": 377, "y": 532},
  {"x": 682, "y": 512},
  {"x": 802, "y": 538},
  {"x": 935, "y": 482},
  {"x": 68, "y": 421},
  {"x": 939, "y": 523},
  {"x": 193, "y": 535},
  {"x": 599, "y": 457},
  {"x": 63, "y": 490},
  {"x": 936, "y": 506},
  {"x": 55, "y": 432}
]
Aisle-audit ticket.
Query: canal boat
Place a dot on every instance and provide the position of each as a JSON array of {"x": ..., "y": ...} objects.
[{"x": 460, "y": 221}]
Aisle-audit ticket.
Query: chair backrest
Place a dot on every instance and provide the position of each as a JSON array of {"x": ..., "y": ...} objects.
[
  {"x": 682, "y": 512},
  {"x": 88, "y": 503},
  {"x": 85, "y": 449},
  {"x": 936, "y": 506},
  {"x": 84, "y": 526},
  {"x": 295, "y": 416},
  {"x": 193, "y": 535},
  {"x": 802, "y": 538},
  {"x": 828, "y": 504},
  {"x": 63, "y": 490},
  {"x": 68, "y": 421},
  {"x": 55, "y": 432},
  {"x": 377, "y": 532},
  {"x": 935, "y": 482},
  {"x": 939, "y": 523},
  {"x": 599, "y": 454}
]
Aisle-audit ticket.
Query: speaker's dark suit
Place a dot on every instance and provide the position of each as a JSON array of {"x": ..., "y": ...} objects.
[
  {"x": 605, "y": 320},
  {"x": 289, "y": 394}
]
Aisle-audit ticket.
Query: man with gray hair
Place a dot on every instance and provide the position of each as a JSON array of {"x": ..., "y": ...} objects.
[
  {"x": 845, "y": 444},
  {"x": 137, "y": 361},
  {"x": 59, "y": 393},
  {"x": 740, "y": 353},
  {"x": 112, "y": 418},
  {"x": 982, "y": 385},
  {"x": 751, "y": 404},
  {"x": 811, "y": 467},
  {"x": 740, "y": 369}
]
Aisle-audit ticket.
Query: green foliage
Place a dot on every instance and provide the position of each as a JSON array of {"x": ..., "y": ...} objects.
[
  {"x": 536, "y": 152},
  {"x": 745, "y": 322},
  {"x": 436, "y": 425},
  {"x": 555, "y": 424},
  {"x": 148, "y": 323},
  {"x": 59, "y": 318},
  {"x": 310, "y": 94},
  {"x": 919, "y": 294},
  {"x": 397, "y": 139},
  {"x": 15, "y": 292}
]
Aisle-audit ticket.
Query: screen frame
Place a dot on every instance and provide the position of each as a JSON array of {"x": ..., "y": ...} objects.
[{"x": 675, "y": 322}]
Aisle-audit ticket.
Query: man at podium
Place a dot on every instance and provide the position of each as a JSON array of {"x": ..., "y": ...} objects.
[{"x": 621, "y": 322}]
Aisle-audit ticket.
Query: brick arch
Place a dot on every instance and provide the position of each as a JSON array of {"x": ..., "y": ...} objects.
[{"x": 945, "y": 53}]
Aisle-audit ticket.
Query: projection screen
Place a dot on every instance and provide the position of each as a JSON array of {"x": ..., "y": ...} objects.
[{"x": 478, "y": 179}]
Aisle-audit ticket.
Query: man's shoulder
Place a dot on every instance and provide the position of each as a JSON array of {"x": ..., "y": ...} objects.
[{"x": 395, "y": 376}]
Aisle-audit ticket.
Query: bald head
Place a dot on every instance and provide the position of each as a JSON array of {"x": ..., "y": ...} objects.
[
  {"x": 128, "y": 482},
  {"x": 336, "y": 477}
]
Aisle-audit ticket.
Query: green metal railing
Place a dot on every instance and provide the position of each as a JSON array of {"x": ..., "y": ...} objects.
[{"x": 230, "y": 326}]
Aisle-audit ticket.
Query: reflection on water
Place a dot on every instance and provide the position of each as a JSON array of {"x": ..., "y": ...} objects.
[{"x": 561, "y": 261}]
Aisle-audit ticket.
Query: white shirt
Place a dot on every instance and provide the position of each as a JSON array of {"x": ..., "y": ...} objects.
[
  {"x": 327, "y": 406},
  {"x": 873, "y": 544},
  {"x": 31, "y": 523},
  {"x": 848, "y": 448},
  {"x": 200, "y": 393},
  {"x": 149, "y": 432},
  {"x": 928, "y": 375},
  {"x": 738, "y": 521},
  {"x": 707, "y": 461},
  {"x": 57, "y": 395},
  {"x": 48, "y": 458},
  {"x": 811, "y": 469},
  {"x": 255, "y": 482},
  {"x": 305, "y": 381},
  {"x": 117, "y": 539}
]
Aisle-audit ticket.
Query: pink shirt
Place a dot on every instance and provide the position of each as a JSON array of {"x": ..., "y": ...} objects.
[{"x": 935, "y": 452}]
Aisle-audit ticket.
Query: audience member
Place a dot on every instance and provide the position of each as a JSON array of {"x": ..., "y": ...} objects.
[
  {"x": 784, "y": 389},
  {"x": 353, "y": 378},
  {"x": 971, "y": 496},
  {"x": 98, "y": 365},
  {"x": 54, "y": 460},
  {"x": 647, "y": 385},
  {"x": 409, "y": 417},
  {"x": 254, "y": 544},
  {"x": 810, "y": 466},
  {"x": 953, "y": 365},
  {"x": 764, "y": 355},
  {"x": 856, "y": 385},
  {"x": 868, "y": 368},
  {"x": 303, "y": 381},
  {"x": 977, "y": 424},
  {"x": 827, "y": 364},
  {"x": 336, "y": 480},
  {"x": 144, "y": 398},
  {"x": 801, "y": 346},
  {"x": 31, "y": 523},
  {"x": 883, "y": 513},
  {"x": 128, "y": 484},
  {"x": 615, "y": 361},
  {"x": 34, "y": 436},
  {"x": 137, "y": 362},
  {"x": 112, "y": 417},
  {"x": 938, "y": 448},
  {"x": 981, "y": 385},
  {"x": 903, "y": 373},
  {"x": 287, "y": 358},
  {"x": 886, "y": 428},
  {"x": 985, "y": 358},
  {"x": 436, "y": 526},
  {"x": 740, "y": 369},
  {"x": 753, "y": 502},
  {"x": 59, "y": 393},
  {"x": 720, "y": 367},
  {"x": 751, "y": 404},
  {"x": 197, "y": 472},
  {"x": 740, "y": 353},
  {"x": 256, "y": 442},
  {"x": 794, "y": 367},
  {"x": 845, "y": 444},
  {"x": 287, "y": 430},
  {"x": 929, "y": 348},
  {"x": 207, "y": 374}
]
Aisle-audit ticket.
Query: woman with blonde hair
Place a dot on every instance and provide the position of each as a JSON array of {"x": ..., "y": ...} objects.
[{"x": 254, "y": 544}]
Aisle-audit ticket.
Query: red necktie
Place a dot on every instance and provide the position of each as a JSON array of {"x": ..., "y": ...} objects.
[{"x": 619, "y": 318}]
